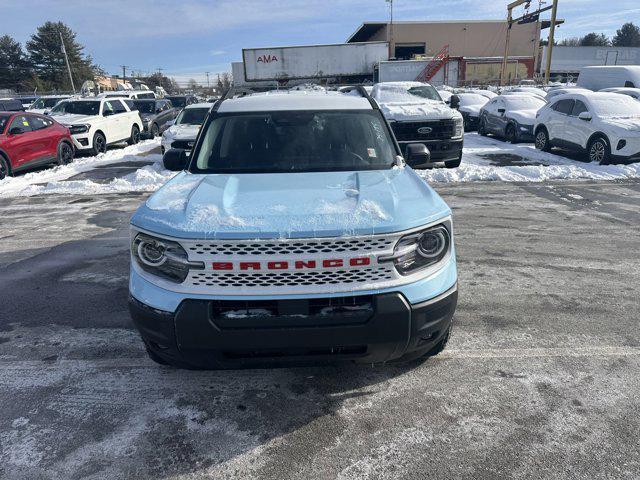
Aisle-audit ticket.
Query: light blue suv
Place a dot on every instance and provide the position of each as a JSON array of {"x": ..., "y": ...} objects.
[{"x": 294, "y": 233}]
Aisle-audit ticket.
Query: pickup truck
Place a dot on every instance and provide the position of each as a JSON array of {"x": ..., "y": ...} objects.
[
  {"x": 417, "y": 114},
  {"x": 96, "y": 123},
  {"x": 294, "y": 232}
]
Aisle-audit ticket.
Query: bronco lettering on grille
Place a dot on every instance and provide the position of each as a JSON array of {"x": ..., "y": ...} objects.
[{"x": 297, "y": 265}]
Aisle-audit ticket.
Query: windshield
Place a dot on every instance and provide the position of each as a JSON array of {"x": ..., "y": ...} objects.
[
  {"x": 144, "y": 106},
  {"x": 528, "y": 102},
  {"x": 46, "y": 103},
  {"x": 400, "y": 93},
  {"x": 178, "y": 102},
  {"x": 192, "y": 116},
  {"x": 294, "y": 141},
  {"x": 610, "y": 106},
  {"x": 79, "y": 107},
  {"x": 3, "y": 122},
  {"x": 471, "y": 99}
]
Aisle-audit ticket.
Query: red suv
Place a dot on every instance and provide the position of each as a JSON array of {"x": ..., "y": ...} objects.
[{"x": 29, "y": 140}]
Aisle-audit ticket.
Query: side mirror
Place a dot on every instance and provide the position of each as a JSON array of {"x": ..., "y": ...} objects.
[
  {"x": 501, "y": 111},
  {"x": 106, "y": 113},
  {"x": 454, "y": 101},
  {"x": 16, "y": 131},
  {"x": 586, "y": 116},
  {"x": 171, "y": 122},
  {"x": 175, "y": 159},
  {"x": 158, "y": 110},
  {"x": 417, "y": 154}
]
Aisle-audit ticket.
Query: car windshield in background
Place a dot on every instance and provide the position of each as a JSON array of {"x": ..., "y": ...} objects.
[
  {"x": 412, "y": 94},
  {"x": 616, "y": 107},
  {"x": 471, "y": 99},
  {"x": 293, "y": 141},
  {"x": 525, "y": 102},
  {"x": 3, "y": 122},
  {"x": 178, "y": 102},
  {"x": 79, "y": 107},
  {"x": 145, "y": 106},
  {"x": 46, "y": 103},
  {"x": 192, "y": 116}
]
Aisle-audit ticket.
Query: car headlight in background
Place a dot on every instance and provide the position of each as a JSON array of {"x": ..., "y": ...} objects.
[
  {"x": 163, "y": 258},
  {"x": 458, "y": 127},
  {"x": 421, "y": 250},
  {"x": 75, "y": 129}
]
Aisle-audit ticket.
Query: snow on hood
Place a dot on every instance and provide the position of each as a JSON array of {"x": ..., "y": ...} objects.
[
  {"x": 471, "y": 109},
  {"x": 427, "y": 110},
  {"x": 629, "y": 124},
  {"x": 294, "y": 205},
  {"x": 73, "y": 118},
  {"x": 182, "y": 131},
  {"x": 523, "y": 117}
]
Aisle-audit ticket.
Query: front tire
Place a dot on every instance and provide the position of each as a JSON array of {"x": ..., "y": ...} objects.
[
  {"x": 454, "y": 163},
  {"x": 482, "y": 130},
  {"x": 155, "y": 130},
  {"x": 135, "y": 135},
  {"x": 65, "y": 153},
  {"x": 5, "y": 170},
  {"x": 99, "y": 144},
  {"x": 599, "y": 151},
  {"x": 511, "y": 134},
  {"x": 542, "y": 140}
]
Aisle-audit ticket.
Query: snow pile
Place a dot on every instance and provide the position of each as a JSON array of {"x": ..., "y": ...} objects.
[
  {"x": 50, "y": 179},
  {"x": 426, "y": 110},
  {"x": 478, "y": 166}
]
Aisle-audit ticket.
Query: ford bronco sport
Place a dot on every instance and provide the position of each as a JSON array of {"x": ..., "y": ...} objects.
[{"x": 294, "y": 232}]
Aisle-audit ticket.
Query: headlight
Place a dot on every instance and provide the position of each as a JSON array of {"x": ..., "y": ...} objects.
[
  {"x": 75, "y": 129},
  {"x": 421, "y": 249},
  {"x": 458, "y": 127},
  {"x": 163, "y": 258}
]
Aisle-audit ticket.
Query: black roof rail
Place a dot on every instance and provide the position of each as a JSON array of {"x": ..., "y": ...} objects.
[{"x": 362, "y": 91}]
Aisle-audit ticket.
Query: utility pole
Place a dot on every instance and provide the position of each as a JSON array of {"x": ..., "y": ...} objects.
[
  {"x": 124, "y": 72},
  {"x": 390, "y": 30},
  {"x": 207, "y": 74},
  {"x": 552, "y": 31},
  {"x": 66, "y": 59}
]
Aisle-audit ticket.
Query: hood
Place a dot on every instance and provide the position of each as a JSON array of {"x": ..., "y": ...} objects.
[
  {"x": 628, "y": 124},
  {"x": 427, "y": 110},
  {"x": 471, "y": 110},
  {"x": 182, "y": 131},
  {"x": 36, "y": 110},
  {"x": 73, "y": 118},
  {"x": 524, "y": 117},
  {"x": 290, "y": 205}
]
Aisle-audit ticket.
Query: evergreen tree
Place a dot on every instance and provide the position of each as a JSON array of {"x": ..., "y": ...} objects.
[
  {"x": 595, "y": 40},
  {"x": 627, "y": 36},
  {"x": 15, "y": 73},
  {"x": 47, "y": 58}
]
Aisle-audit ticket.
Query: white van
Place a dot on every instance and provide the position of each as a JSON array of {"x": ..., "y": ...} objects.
[{"x": 597, "y": 78}]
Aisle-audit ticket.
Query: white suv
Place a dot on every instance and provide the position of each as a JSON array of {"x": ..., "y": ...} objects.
[
  {"x": 96, "y": 123},
  {"x": 604, "y": 125}
]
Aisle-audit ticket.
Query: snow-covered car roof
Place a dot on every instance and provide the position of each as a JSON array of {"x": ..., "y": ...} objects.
[
  {"x": 294, "y": 100},
  {"x": 197, "y": 105}
]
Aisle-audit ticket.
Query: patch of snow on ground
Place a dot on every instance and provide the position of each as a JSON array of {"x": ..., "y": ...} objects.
[
  {"x": 50, "y": 180},
  {"x": 476, "y": 167}
]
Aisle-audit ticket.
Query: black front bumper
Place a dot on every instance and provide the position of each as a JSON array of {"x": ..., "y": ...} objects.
[
  {"x": 441, "y": 151},
  {"x": 197, "y": 336}
]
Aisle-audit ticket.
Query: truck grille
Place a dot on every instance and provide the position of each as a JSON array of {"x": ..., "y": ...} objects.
[
  {"x": 264, "y": 267},
  {"x": 408, "y": 131},
  {"x": 183, "y": 144}
]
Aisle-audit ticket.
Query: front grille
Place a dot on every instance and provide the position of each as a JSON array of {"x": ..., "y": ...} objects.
[
  {"x": 183, "y": 144},
  {"x": 296, "y": 266},
  {"x": 292, "y": 279},
  {"x": 408, "y": 131},
  {"x": 294, "y": 247}
]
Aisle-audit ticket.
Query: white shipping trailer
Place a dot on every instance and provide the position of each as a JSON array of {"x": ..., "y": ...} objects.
[
  {"x": 409, "y": 70},
  {"x": 313, "y": 61}
]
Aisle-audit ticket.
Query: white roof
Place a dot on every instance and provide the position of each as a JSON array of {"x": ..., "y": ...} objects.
[
  {"x": 586, "y": 94},
  {"x": 200, "y": 105},
  {"x": 295, "y": 100}
]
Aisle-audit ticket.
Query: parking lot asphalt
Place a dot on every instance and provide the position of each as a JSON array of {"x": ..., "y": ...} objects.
[{"x": 540, "y": 379}]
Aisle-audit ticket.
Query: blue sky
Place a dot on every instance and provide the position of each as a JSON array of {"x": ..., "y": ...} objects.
[{"x": 188, "y": 37}]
